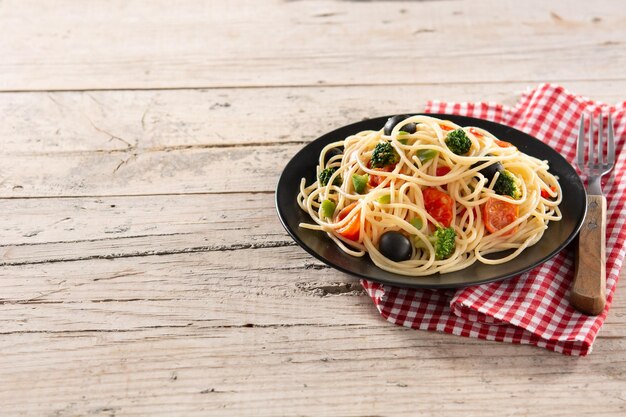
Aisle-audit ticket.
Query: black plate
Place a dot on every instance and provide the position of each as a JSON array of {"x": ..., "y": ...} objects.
[{"x": 558, "y": 235}]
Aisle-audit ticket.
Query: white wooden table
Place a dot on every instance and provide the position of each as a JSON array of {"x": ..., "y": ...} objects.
[{"x": 144, "y": 270}]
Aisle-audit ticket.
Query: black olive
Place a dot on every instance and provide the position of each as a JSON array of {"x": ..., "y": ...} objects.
[
  {"x": 393, "y": 121},
  {"x": 490, "y": 170},
  {"x": 332, "y": 152},
  {"x": 395, "y": 246}
]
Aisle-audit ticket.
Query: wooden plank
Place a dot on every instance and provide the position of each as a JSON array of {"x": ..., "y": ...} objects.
[
  {"x": 268, "y": 286},
  {"x": 145, "y": 44},
  {"x": 361, "y": 370},
  {"x": 73, "y": 122},
  {"x": 232, "y": 333},
  {"x": 113, "y": 143},
  {"x": 265, "y": 287},
  {"x": 229, "y": 245},
  {"x": 138, "y": 172},
  {"x": 73, "y": 229},
  {"x": 37, "y": 232}
]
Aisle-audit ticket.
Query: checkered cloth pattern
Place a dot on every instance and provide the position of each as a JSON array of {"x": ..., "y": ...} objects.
[{"x": 532, "y": 308}]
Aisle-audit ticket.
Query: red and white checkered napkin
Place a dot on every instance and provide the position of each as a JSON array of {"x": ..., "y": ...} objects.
[{"x": 532, "y": 308}]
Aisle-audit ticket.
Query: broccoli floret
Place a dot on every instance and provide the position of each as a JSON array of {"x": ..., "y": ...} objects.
[
  {"x": 458, "y": 142},
  {"x": 507, "y": 184},
  {"x": 444, "y": 242},
  {"x": 384, "y": 154},
  {"x": 325, "y": 177}
]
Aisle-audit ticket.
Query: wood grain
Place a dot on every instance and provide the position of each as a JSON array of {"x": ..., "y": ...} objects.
[
  {"x": 190, "y": 334},
  {"x": 145, "y": 172},
  {"x": 130, "y": 227},
  {"x": 130, "y": 143},
  {"x": 588, "y": 293},
  {"x": 71, "y": 45},
  {"x": 122, "y": 121},
  {"x": 198, "y": 370}
]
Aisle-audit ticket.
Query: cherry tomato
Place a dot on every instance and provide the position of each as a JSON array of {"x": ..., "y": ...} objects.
[
  {"x": 463, "y": 210},
  {"x": 441, "y": 171},
  {"x": 375, "y": 180},
  {"x": 439, "y": 205},
  {"x": 353, "y": 228},
  {"x": 545, "y": 194},
  {"x": 498, "y": 214}
]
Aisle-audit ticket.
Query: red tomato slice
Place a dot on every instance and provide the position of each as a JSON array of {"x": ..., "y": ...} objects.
[
  {"x": 375, "y": 180},
  {"x": 463, "y": 210},
  {"x": 545, "y": 194},
  {"x": 441, "y": 171},
  {"x": 502, "y": 143},
  {"x": 498, "y": 214},
  {"x": 439, "y": 205},
  {"x": 353, "y": 228},
  {"x": 475, "y": 132}
]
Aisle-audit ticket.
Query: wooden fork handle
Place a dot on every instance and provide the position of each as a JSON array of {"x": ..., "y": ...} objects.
[{"x": 588, "y": 293}]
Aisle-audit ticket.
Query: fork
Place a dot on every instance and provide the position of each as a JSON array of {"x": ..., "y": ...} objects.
[{"x": 588, "y": 294}]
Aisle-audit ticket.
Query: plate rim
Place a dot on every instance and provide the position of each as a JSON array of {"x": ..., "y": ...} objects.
[{"x": 563, "y": 245}]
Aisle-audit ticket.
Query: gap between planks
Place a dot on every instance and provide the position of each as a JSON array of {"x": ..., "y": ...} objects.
[
  {"x": 531, "y": 81},
  {"x": 135, "y": 195}
]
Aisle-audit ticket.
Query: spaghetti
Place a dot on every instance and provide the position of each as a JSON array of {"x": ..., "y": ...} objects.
[{"x": 455, "y": 194}]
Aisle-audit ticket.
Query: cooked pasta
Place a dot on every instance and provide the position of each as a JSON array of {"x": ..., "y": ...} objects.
[{"x": 424, "y": 195}]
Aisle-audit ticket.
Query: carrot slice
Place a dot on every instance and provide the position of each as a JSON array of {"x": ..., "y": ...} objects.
[{"x": 351, "y": 230}]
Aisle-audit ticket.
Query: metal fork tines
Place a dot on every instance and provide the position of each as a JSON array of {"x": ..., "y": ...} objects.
[{"x": 603, "y": 164}]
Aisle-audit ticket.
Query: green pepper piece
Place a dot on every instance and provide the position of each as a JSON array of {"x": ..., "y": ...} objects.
[
  {"x": 416, "y": 222},
  {"x": 425, "y": 155},
  {"x": 385, "y": 199},
  {"x": 328, "y": 208},
  {"x": 359, "y": 182}
]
